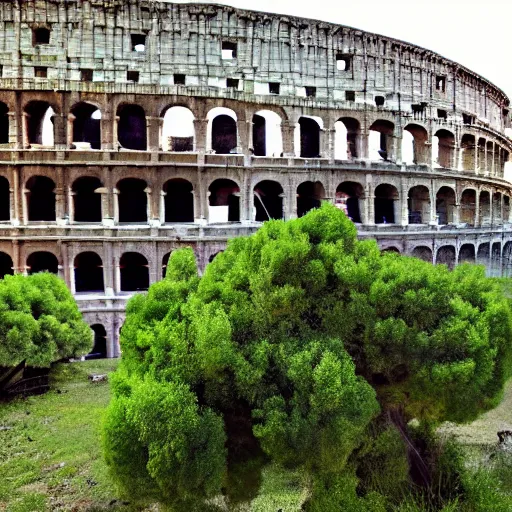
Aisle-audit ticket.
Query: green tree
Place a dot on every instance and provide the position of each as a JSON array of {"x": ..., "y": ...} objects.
[
  {"x": 39, "y": 321},
  {"x": 301, "y": 346}
]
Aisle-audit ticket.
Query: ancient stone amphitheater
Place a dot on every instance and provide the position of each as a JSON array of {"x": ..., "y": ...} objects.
[{"x": 131, "y": 128}]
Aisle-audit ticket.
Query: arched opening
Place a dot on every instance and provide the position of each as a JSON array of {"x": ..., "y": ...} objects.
[
  {"x": 131, "y": 127},
  {"x": 42, "y": 261},
  {"x": 489, "y": 156},
  {"x": 346, "y": 138},
  {"x": 39, "y": 123},
  {"x": 485, "y": 208},
  {"x": 468, "y": 207},
  {"x": 86, "y": 126},
  {"x": 481, "y": 155},
  {"x": 419, "y": 205},
  {"x": 386, "y": 201},
  {"x": 468, "y": 148},
  {"x": 5, "y": 207},
  {"x": 6, "y": 265},
  {"x": 99, "y": 349},
  {"x": 495, "y": 270},
  {"x": 309, "y": 196},
  {"x": 381, "y": 140},
  {"x": 224, "y": 201},
  {"x": 222, "y": 131},
  {"x": 496, "y": 208},
  {"x": 423, "y": 253},
  {"x": 41, "y": 199},
  {"x": 391, "y": 249},
  {"x": 268, "y": 200},
  {"x": 414, "y": 149},
  {"x": 132, "y": 200},
  {"x": 505, "y": 157},
  {"x": 134, "y": 272},
  {"x": 349, "y": 197},
  {"x": 309, "y": 130},
  {"x": 4, "y": 123},
  {"x": 445, "y": 205},
  {"x": 179, "y": 201},
  {"x": 165, "y": 261},
  {"x": 86, "y": 201},
  {"x": 482, "y": 255},
  {"x": 506, "y": 208},
  {"x": 89, "y": 273},
  {"x": 467, "y": 254},
  {"x": 507, "y": 260},
  {"x": 178, "y": 130},
  {"x": 443, "y": 147},
  {"x": 266, "y": 134},
  {"x": 446, "y": 256}
]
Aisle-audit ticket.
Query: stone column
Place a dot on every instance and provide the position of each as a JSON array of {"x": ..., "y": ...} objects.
[
  {"x": 108, "y": 135},
  {"x": 24, "y": 130},
  {"x": 369, "y": 204},
  {"x": 149, "y": 205},
  {"x": 476, "y": 157},
  {"x": 433, "y": 213},
  {"x": 60, "y": 202},
  {"x": 162, "y": 207},
  {"x": 456, "y": 213},
  {"x": 25, "y": 201},
  {"x": 200, "y": 134},
  {"x": 14, "y": 136},
  {"x": 70, "y": 125},
  {"x": 59, "y": 131},
  {"x": 404, "y": 197},
  {"x": 71, "y": 203},
  {"x": 477, "y": 208},
  {"x": 286, "y": 213},
  {"x": 153, "y": 126},
  {"x": 365, "y": 144},
  {"x": 116, "y": 206},
  {"x": 106, "y": 219},
  {"x": 108, "y": 269},
  {"x": 17, "y": 267},
  {"x": 117, "y": 275},
  {"x": 288, "y": 131}
]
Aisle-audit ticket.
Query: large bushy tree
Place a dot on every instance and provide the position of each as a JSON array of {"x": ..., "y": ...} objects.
[
  {"x": 302, "y": 346},
  {"x": 39, "y": 321}
]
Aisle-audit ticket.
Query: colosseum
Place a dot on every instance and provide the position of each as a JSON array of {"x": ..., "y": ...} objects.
[{"x": 131, "y": 128}]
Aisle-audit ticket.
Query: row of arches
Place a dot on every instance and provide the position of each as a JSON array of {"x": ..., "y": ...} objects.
[
  {"x": 178, "y": 130},
  {"x": 383, "y": 205}
]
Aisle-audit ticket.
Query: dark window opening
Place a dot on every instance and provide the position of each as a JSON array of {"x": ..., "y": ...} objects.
[
  {"x": 442, "y": 114},
  {"x": 86, "y": 75},
  {"x": 309, "y": 138},
  {"x": 4, "y": 124},
  {"x": 89, "y": 273},
  {"x": 132, "y": 76},
  {"x": 179, "y": 79},
  {"x": 138, "y": 42},
  {"x": 5, "y": 213},
  {"x": 348, "y": 197},
  {"x": 179, "y": 201},
  {"x": 165, "y": 262},
  {"x": 309, "y": 196},
  {"x": 441, "y": 83},
  {"x": 379, "y": 101},
  {"x": 134, "y": 272},
  {"x": 41, "y": 36},
  {"x": 232, "y": 83},
  {"x": 468, "y": 119},
  {"x": 225, "y": 193},
  {"x": 229, "y": 50},
  {"x": 6, "y": 265},
  {"x": 418, "y": 204},
  {"x": 40, "y": 72},
  {"x": 131, "y": 128},
  {"x": 343, "y": 62},
  {"x": 274, "y": 87},
  {"x": 445, "y": 206},
  {"x": 310, "y": 91},
  {"x": 350, "y": 96},
  {"x": 86, "y": 201},
  {"x": 224, "y": 135},
  {"x": 132, "y": 201},
  {"x": 36, "y": 113},
  {"x": 446, "y": 256},
  {"x": 87, "y": 125},
  {"x": 505, "y": 112},
  {"x": 385, "y": 199},
  {"x": 42, "y": 261},
  {"x": 259, "y": 135},
  {"x": 41, "y": 199},
  {"x": 268, "y": 200},
  {"x": 418, "y": 108},
  {"x": 1, "y": 71},
  {"x": 99, "y": 350}
]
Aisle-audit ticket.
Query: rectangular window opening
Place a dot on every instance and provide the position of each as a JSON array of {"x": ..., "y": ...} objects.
[
  {"x": 350, "y": 96},
  {"x": 132, "y": 76},
  {"x": 228, "y": 50},
  {"x": 232, "y": 83},
  {"x": 310, "y": 91},
  {"x": 40, "y": 72},
  {"x": 379, "y": 101},
  {"x": 138, "y": 43},
  {"x": 179, "y": 79},
  {"x": 40, "y": 35},
  {"x": 86, "y": 75},
  {"x": 274, "y": 87},
  {"x": 468, "y": 119},
  {"x": 441, "y": 83},
  {"x": 343, "y": 62},
  {"x": 442, "y": 114}
]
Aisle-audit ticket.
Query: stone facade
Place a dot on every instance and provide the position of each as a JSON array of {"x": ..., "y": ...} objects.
[{"x": 283, "y": 113}]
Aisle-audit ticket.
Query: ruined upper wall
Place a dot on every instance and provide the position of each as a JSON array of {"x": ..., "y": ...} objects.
[{"x": 187, "y": 39}]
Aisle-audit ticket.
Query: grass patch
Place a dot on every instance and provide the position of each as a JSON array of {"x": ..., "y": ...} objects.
[{"x": 50, "y": 452}]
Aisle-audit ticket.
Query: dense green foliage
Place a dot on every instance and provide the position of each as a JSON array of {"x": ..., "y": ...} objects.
[
  {"x": 301, "y": 346},
  {"x": 39, "y": 321}
]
